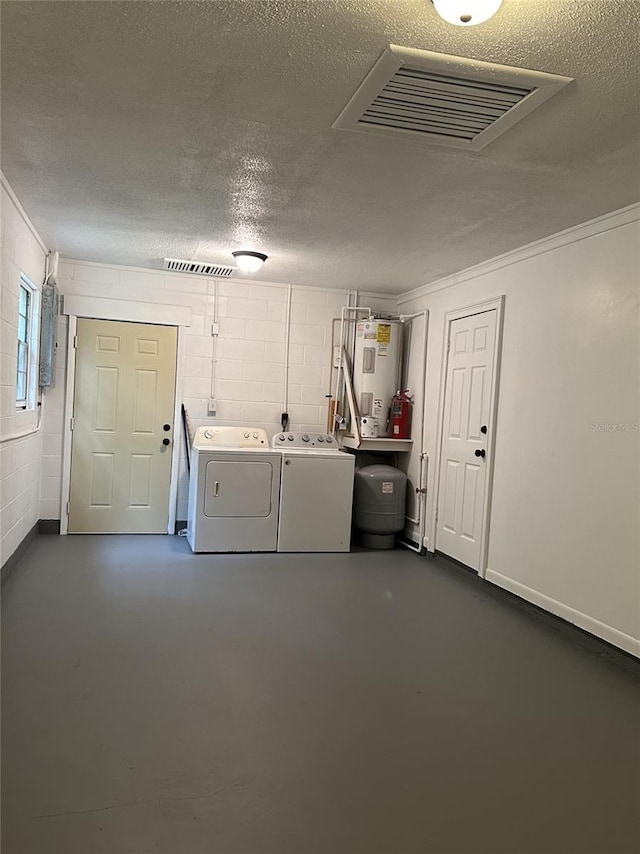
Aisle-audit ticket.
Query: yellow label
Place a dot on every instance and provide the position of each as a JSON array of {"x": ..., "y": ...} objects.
[{"x": 384, "y": 333}]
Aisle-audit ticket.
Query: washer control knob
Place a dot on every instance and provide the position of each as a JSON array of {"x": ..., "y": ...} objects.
[
  {"x": 280, "y": 438},
  {"x": 328, "y": 440},
  {"x": 305, "y": 437},
  {"x": 290, "y": 437},
  {"x": 320, "y": 438},
  {"x": 246, "y": 435},
  {"x": 255, "y": 435}
]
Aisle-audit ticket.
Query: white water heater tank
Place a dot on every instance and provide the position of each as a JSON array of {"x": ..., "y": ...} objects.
[{"x": 376, "y": 368}]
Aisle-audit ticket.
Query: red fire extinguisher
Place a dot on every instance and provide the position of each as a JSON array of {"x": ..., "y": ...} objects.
[{"x": 401, "y": 415}]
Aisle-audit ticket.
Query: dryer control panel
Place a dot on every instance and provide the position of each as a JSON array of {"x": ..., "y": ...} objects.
[
  {"x": 231, "y": 437},
  {"x": 305, "y": 440}
]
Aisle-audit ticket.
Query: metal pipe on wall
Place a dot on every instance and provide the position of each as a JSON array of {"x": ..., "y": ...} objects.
[
  {"x": 344, "y": 320},
  {"x": 423, "y": 458},
  {"x": 287, "y": 336}
]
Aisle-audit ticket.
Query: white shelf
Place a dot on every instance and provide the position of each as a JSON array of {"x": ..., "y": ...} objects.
[{"x": 398, "y": 445}]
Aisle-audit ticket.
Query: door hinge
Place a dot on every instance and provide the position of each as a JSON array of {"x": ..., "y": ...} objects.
[
  {"x": 75, "y": 342},
  {"x": 436, "y": 515},
  {"x": 215, "y": 329},
  {"x": 72, "y": 422},
  {"x": 68, "y": 507}
]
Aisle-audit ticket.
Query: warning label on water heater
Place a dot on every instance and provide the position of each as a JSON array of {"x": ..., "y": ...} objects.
[
  {"x": 387, "y": 487},
  {"x": 384, "y": 333}
]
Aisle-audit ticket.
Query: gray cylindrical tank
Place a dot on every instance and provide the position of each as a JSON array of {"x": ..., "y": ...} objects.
[{"x": 379, "y": 496}]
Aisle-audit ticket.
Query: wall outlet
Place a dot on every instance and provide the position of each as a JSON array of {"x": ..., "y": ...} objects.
[{"x": 211, "y": 408}]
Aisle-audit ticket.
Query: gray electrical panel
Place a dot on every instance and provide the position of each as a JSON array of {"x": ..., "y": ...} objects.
[{"x": 48, "y": 316}]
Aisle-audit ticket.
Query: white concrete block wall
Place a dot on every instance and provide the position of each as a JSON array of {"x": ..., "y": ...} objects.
[
  {"x": 250, "y": 351},
  {"x": 566, "y": 501},
  {"x": 249, "y": 371},
  {"x": 20, "y": 432}
]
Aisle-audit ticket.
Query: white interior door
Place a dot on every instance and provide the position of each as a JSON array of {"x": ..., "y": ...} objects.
[
  {"x": 122, "y": 427},
  {"x": 463, "y": 459}
]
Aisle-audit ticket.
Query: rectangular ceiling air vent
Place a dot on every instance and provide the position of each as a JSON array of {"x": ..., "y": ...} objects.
[
  {"x": 447, "y": 100},
  {"x": 198, "y": 268}
]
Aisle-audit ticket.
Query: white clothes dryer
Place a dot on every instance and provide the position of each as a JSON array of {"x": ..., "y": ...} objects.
[
  {"x": 234, "y": 491},
  {"x": 316, "y": 493}
]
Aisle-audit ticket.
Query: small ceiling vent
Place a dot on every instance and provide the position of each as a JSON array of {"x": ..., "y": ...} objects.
[
  {"x": 444, "y": 99},
  {"x": 198, "y": 268}
]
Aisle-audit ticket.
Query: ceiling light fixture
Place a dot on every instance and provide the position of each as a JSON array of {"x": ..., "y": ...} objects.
[
  {"x": 466, "y": 13},
  {"x": 249, "y": 262}
]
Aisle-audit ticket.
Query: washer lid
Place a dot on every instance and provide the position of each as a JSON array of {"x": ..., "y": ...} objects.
[{"x": 316, "y": 453}]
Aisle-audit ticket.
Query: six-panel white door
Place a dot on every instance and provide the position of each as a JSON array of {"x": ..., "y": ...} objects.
[
  {"x": 123, "y": 413},
  {"x": 463, "y": 459}
]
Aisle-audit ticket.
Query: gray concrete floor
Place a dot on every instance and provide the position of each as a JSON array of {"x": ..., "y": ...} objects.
[{"x": 157, "y": 701}]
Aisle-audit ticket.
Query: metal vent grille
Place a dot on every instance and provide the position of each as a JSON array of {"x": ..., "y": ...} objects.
[
  {"x": 445, "y": 99},
  {"x": 198, "y": 268},
  {"x": 448, "y": 106}
]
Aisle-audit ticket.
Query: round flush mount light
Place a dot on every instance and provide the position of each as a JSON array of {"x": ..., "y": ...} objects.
[
  {"x": 466, "y": 13},
  {"x": 249, "y": 262}
]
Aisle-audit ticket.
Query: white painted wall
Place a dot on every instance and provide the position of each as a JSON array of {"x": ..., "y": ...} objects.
[
  {"x": 566, "y": 505},
  {"x": 20, "y": 435},
  {"x": 249, "y": 352}
]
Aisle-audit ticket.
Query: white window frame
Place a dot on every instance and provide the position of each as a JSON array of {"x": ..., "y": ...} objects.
[{"x": 28, "y": 402}]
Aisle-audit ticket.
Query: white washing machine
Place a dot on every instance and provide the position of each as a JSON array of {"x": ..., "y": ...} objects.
[
  {"x": 316, "y": 491},
  {"x": 234, "y": 491}
]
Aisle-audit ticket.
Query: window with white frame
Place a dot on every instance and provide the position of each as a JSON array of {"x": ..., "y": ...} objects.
[{"x": 27, "y": 330}]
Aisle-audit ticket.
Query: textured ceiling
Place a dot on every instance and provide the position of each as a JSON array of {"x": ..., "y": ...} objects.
[{"x": 137, "y": 130}]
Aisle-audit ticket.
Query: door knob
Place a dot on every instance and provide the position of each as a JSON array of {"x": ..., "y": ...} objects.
[
  {"x": 166, "y": 441},
  {"x": 483, "y": 429},
  {"x": 480, "y": 452},
  {"x": 166, "y": 427}
]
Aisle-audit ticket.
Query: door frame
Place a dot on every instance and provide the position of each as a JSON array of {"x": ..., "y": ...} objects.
[
  {"x": 496, "y": 303},
  {"x": 99, "y": 308}
]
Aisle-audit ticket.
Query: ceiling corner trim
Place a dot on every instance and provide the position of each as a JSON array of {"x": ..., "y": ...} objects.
[
  {"x": 582, "y": 231},
  {"x": 4, "y": 182}
]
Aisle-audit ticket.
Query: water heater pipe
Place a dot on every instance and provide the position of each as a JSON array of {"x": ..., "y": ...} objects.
[
  {"x": 421, "y": 521},
  {"x": 353, "y": 406},
  {"x": 344, "y": 320}
]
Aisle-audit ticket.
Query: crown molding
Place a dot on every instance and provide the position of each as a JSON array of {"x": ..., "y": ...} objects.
[
  {"x": 234, "y": 279},
  {"x": 23, "y": 214},
  {"x": 583, "y": 231}
]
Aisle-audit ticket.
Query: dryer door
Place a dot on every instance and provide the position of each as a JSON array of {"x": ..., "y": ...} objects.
[{"x": 238, "y": 489}]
